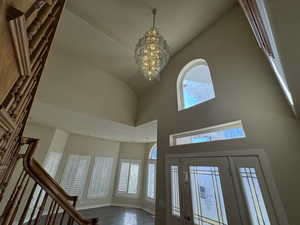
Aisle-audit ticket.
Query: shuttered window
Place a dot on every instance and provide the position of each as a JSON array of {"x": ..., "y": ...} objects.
[
  {"x": 151, "y": 173},
  {"x": 75, "y": 174},
  {"x": 151, "y": 181},
  {"x": 51, "y": 163},
  {"x": 129, "y": 176},
  {"x": 101, "y": 177}
]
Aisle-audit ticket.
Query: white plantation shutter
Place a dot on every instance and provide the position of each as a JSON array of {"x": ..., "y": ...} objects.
[
  {"x": 123, "y": 179},
  {"x": 129, "y": 176},
  {"x": 75, "y": 174},
  {"x": 151, "y": 180},
  {"x": 101, "y": 177},
  {"x": 133, "y": 178},
  {"x": 51, "y": 162}
]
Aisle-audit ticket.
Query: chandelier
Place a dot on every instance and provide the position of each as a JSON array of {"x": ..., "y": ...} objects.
[{"x": 152, "y": 52}]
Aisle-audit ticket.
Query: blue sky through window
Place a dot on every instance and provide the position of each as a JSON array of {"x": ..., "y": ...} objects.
[
  {"x": 227, "y": 131},
  {"x": 153, "y": 152},
  {"x": 196, "y": 84},
  {"x": 195, "y": 92},
  {"x": 232, "y": 133}
]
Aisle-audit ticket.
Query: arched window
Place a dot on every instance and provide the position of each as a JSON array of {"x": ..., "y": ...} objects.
[
  {"x": 194, "y": 84},
  {"x": 151, "y": 176}
]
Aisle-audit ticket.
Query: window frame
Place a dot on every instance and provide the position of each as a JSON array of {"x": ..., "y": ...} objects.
[
  {"x": 224, "y": 126},
  {"x": 126, "y": 194},
  {"x": 84, "y": 181},
  {"x": 181, "y": 76},
  {"x": 151, "y": 161},
  {"x": 99, "y": 195}
]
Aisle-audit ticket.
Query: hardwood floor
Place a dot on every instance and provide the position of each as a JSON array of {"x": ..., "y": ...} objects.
[{"x": 113, "y": 215}]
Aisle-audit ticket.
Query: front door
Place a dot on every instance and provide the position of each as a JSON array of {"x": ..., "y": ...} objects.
[{"x": 218, "y": 191}]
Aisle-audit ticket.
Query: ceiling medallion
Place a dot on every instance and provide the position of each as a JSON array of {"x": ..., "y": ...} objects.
[{"x": 152, "y": 52}]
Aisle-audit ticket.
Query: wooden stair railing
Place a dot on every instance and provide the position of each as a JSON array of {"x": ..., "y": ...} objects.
[
  {"x": 32, "y": 31},
  {"x": 45, "y": 203}
]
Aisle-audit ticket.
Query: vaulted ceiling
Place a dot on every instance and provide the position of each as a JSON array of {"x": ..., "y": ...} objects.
[
  {"x": 91, "y": 80},
  {"x": 110, "y": 29}
]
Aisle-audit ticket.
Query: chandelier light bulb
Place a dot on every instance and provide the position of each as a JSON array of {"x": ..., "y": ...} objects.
[{"x": 152, "y": 52}]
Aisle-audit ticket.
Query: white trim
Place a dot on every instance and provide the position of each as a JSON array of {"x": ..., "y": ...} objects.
[
  {"x": 152, "y": 148},
  {"x": 151, "y": 161},
  {"x": 126, "y": 205},
  {"x": 148, "y": 211},
  {"x": 133, "y": 206},
  {"x": 93, "y": 206},
  {"x": 219, "y": 127}
]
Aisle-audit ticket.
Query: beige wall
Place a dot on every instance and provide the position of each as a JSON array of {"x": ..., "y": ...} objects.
[
  {"x": 59, "y": 141},
  {"x": 246, "y": 89},
  {"x": 45, "y": 135},
  {"x": 72, "y": 83},
  {"x": 83, "y": 145}
]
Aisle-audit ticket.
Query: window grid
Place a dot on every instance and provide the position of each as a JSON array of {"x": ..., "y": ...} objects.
[
  {"x": 254, "y": 198},
  {"x": 207, "y": 196}
]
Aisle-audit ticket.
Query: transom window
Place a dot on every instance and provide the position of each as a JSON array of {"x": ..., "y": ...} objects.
[
  {"x": 151, "y": 176},
  {"x": 194, "y": 84},
  {"x": 226, "y": 131}
]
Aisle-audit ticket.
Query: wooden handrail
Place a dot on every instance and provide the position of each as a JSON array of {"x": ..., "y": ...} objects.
[{"x": 49, "y": 185}]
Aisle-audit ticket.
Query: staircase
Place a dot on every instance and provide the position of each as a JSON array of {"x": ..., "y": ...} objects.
[
  {"x": 36, "y": 198},
  {"x": 45, "y": 201}
]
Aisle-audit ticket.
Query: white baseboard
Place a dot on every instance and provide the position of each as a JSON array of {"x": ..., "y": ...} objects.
[
  {"x": 148, "y": 211},
  {"x": 132, "y": 206},
  {"x": 93, "y": 206},
  {"x": 125, "y": 205}
]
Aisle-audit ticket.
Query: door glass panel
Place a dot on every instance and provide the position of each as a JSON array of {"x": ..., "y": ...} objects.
[
  {"x": 175, "y": 191},
  {"x": 255, "y": 202},
  {"x": 207, "y": 196}
]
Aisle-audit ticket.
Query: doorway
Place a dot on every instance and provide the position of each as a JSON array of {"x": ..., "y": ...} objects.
[{"x": 210, "y": 189}]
